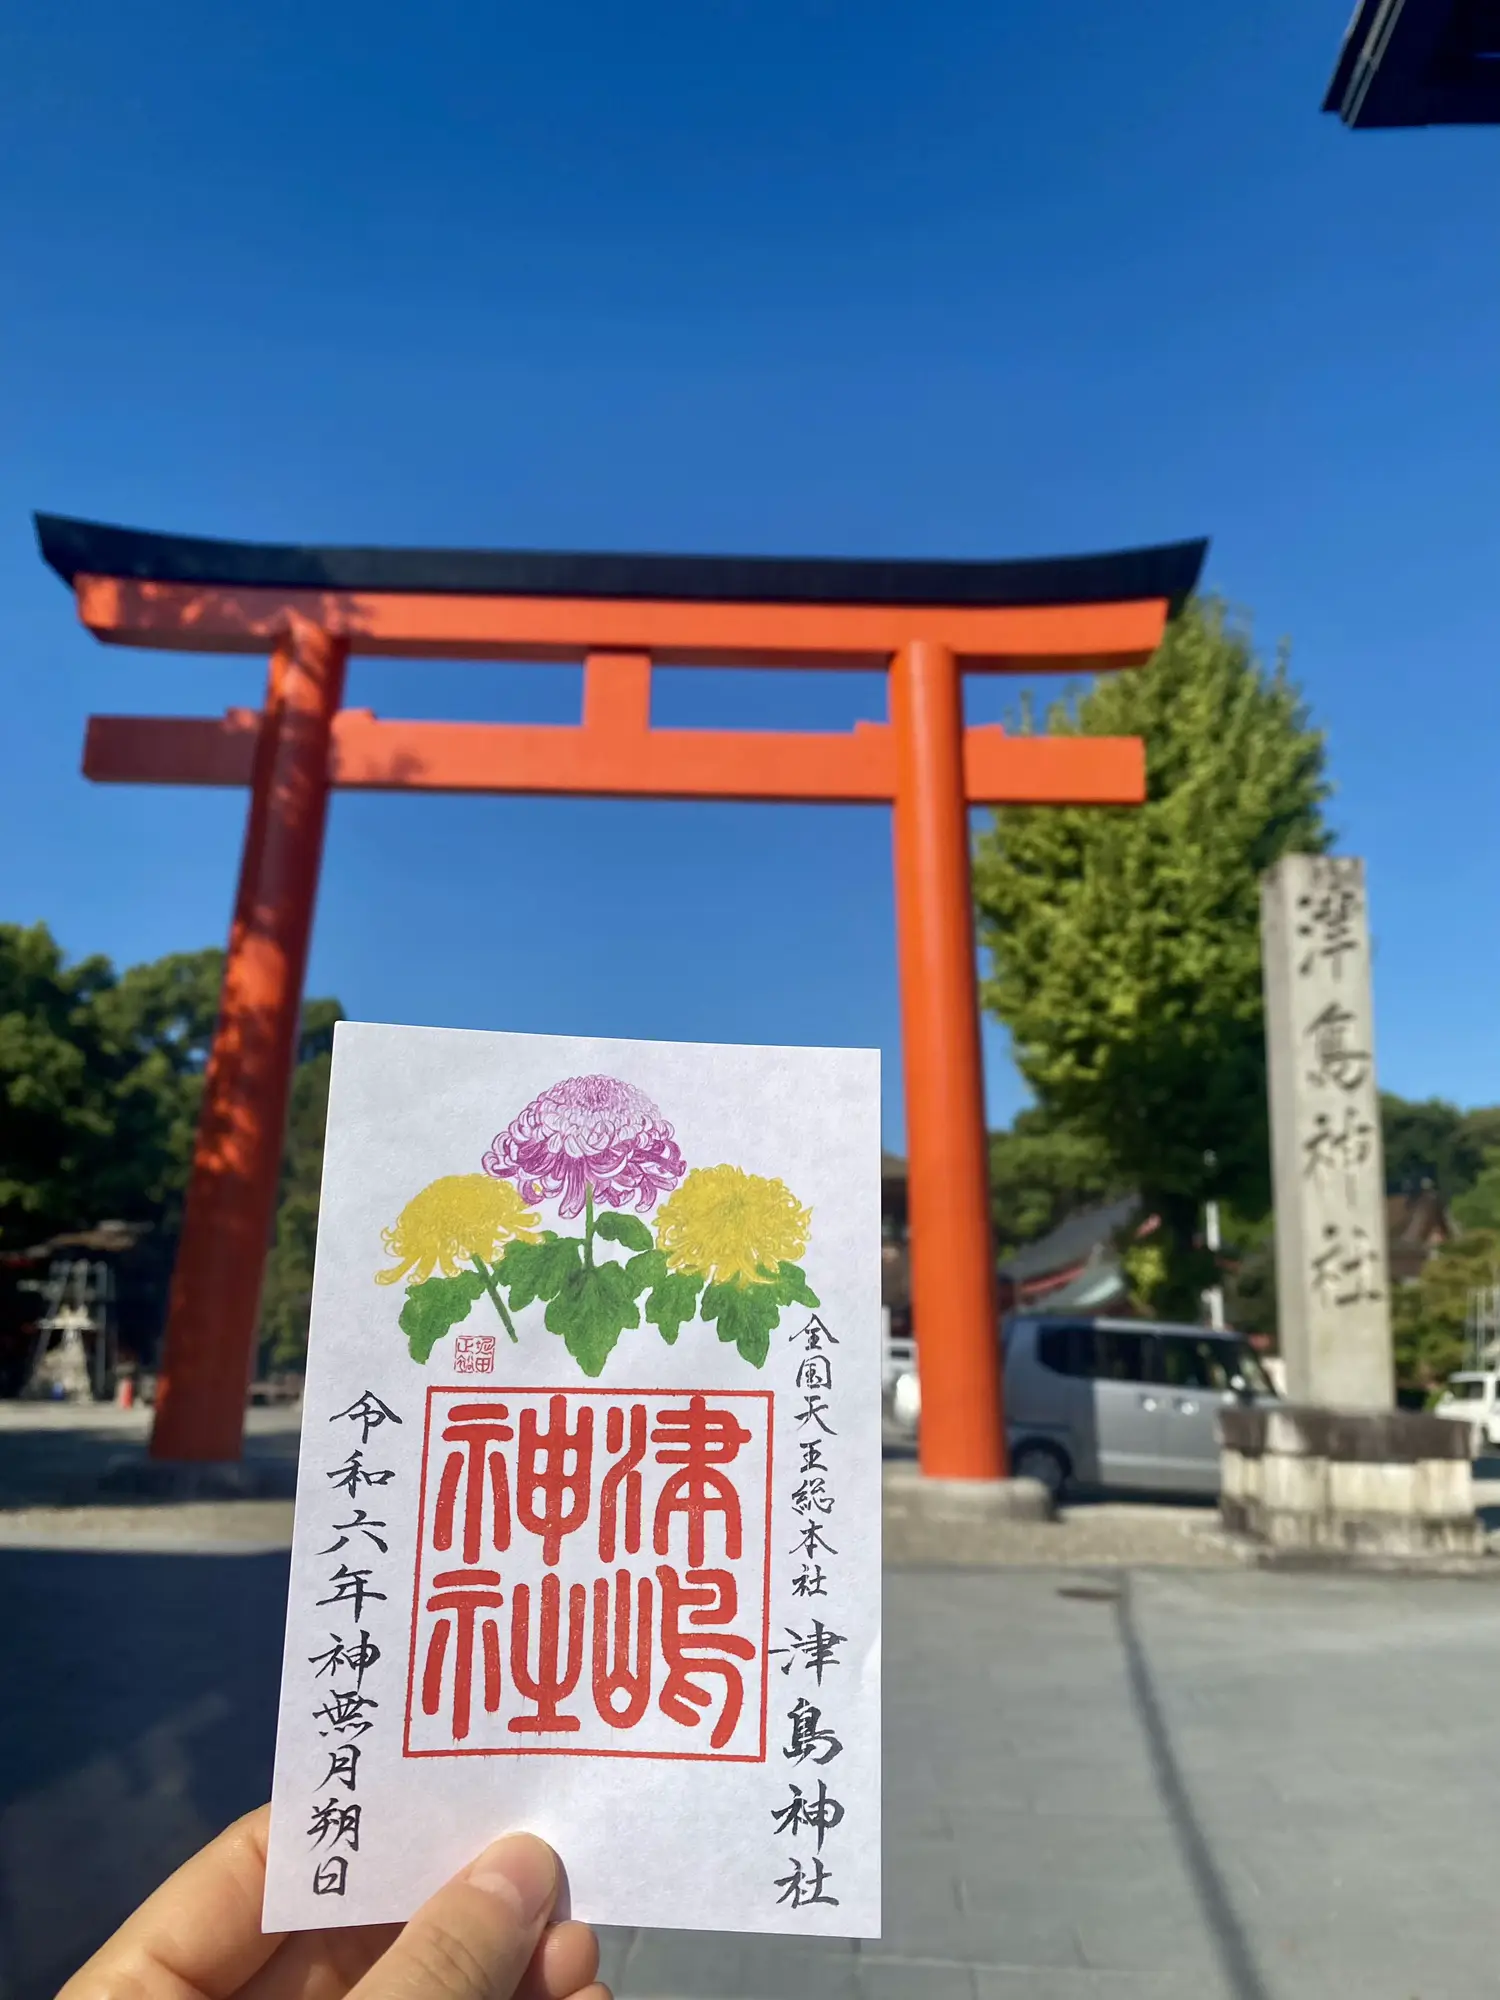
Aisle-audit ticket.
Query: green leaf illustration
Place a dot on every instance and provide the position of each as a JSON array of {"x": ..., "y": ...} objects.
[
  {"x": 745, "y": 1314},
  {"x": 591, "y": 1309},
  {"x": 792, "y": 1288},
  {"x": 538, "y": 1270},
  {"x": 626, "y": 1229},
  {"x": 434, "y": 1308},
  {"x": 672, "y": 1296},
  {"x": 649, "y": 1268},
  {"x": 673, "y": 1302}
]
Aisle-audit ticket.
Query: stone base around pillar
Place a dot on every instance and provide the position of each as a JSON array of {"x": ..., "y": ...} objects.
[
  {"x": 1302, "y": 1483},
  {"x": 139, "y": 1478},
  {"x": 967, "y": 1501}
]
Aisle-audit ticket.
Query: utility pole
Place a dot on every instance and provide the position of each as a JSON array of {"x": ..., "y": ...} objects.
[{"x": 1213, "y": 1298}]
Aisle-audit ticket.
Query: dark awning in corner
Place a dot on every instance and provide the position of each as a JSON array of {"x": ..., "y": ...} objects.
[{"x": 1419, "y": 62}]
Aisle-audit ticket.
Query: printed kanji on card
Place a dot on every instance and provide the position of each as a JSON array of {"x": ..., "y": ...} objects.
[
  {"x": 588, "y": 1513},
  {"x": 645, "y": 1636}
]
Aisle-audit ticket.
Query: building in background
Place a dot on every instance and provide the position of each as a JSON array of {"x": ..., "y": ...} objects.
[
  {"x": 1416, "y": 1228},
  {"x": 1076, "y": 1267}
]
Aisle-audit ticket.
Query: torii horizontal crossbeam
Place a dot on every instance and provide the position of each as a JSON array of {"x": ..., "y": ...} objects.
[
  {"x": 857, "y": 767},
  {"x": 1024, "y": 638}
]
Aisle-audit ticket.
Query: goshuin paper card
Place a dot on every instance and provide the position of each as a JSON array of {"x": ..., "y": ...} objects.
[{"x": 588, "y": 1510}]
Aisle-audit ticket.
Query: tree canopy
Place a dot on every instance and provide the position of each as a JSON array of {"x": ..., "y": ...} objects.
[
  {"x": 1432, "y": 1143},
  {"x": 1040, "y": 1174},
  {"x": 1124, "y": 944},
  {"x": 101, "y": 1072},
  {"x": 1429, "y": 1318},
  {"x": 287, "y": 1298}
]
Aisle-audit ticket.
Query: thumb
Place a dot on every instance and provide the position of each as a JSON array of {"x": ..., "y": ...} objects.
[{"x": 474, "y": 1939}]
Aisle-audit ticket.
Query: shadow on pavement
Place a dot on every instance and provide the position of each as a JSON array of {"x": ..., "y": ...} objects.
[
  {"x": 139, "y": 1717},
  {"x": 1242, "y": 1975},
  {"x": 61, "y": 1466}
]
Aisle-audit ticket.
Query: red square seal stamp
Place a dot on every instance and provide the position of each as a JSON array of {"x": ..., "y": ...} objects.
[
  {"x": 592, "y": 1574},
  {"x": 474, "y": 1354}
]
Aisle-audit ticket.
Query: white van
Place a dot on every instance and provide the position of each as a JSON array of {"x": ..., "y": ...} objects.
[
  {"x": 1121, "y": 1403},
  {"x": 1473, "y": 1397}
]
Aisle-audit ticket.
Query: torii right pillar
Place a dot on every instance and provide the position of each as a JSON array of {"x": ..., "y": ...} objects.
[{"x": 951, "y": 1245}]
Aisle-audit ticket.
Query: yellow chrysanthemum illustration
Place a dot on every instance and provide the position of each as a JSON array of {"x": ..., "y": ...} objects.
[
  {"x": 450, "y": 1223},
  {"x": 731, "y": 1227}
]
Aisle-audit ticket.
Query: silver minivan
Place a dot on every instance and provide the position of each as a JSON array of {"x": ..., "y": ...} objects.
[
  {"x": 1122, "y": 1402},
  {"x": 1108, "y": 1402}
]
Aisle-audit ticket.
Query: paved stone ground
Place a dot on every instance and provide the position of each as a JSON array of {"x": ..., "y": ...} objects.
[
  {"x": 51, "y": 1457},
  {"x": 1174, "y": 1783},
  {"x": 1119, "y": 1764},
  {"x": 52, "y": 1454},
  {"x": 1167, "y": 1784},
  {"x": 1088, "y": 1533}
]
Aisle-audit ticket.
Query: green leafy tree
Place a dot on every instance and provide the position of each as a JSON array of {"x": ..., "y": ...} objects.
[
  {"x": 286, "y": 1299},
  {"x": 1478, "y": 1207},
  {"x": 157, "y": 1022},
  {"x": 100, "y": 1077},
  {"x": 1250, "y": 1279},
  {"x": 1431, "y": 1143},
  {"x": 1429, "y": 1317},
  {"x": 1125, "y": 943},
  {"x": 1041, "y": 1173},
  {"x": 1482, "y": 1129},
  {"x": 54, "y": 1088}
]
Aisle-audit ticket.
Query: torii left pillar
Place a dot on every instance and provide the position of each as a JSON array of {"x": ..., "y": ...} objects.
[{"x": 231, "y": 1196}]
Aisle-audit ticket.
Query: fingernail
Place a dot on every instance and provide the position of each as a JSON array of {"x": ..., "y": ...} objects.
[{"x": 520, "y": 1868}]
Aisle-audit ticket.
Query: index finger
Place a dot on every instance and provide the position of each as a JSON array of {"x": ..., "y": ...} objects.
[{"x": 199, "y": 1936}]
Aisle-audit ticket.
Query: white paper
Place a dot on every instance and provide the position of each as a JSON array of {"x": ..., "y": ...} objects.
[{"x": 623, "y": 1596}]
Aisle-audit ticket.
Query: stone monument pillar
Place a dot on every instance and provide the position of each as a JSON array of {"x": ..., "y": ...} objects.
[{"x": 1332, "y": 1287}]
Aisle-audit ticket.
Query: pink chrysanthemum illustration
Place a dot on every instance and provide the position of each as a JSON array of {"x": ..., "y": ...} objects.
[{"x": 588, "y": 1133}]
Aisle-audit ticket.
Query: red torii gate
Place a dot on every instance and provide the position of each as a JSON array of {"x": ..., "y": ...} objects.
[{"x": 926, "y": 623}]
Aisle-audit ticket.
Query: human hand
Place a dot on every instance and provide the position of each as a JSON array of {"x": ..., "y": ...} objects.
[{"x": 483, "y": 1937}]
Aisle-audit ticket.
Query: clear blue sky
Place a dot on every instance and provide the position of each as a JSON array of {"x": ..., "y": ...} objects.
[{"x": 829, "y": 278}]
